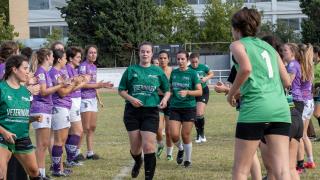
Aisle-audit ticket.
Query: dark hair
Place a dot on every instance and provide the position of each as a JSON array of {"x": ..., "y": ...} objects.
[
  {"x": 57, "y": 54},
  {"x": 7, "y": 49},
  {"x": 72, "y": 52},
  {"x": 316, "y": 49},
  {"x": 88, "y": 47},
  {"x": 53, "y": 45},
  {"x": 164, "y": 52},
  {"x": 27, "y": 51},
  {"x": 183, "y": 52},
  {"x": 13, "y": 61},
  {"x": 247, "y": 21},
  {"x": 274, "y": 41},
  {"x": 194, "y": 55},
  {"x": 39, "y": 57},
  {"x": 153, "y": 59},
  {"x": 146, "y": 43}
]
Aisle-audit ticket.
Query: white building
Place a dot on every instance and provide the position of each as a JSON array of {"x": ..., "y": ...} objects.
[{"x": 44, "y": 17}]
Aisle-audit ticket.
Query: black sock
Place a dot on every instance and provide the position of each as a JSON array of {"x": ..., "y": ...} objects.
[
  {"x": 200, "y": 120},
  {"x": 36, "y": 178},
  {"x": 196, "y": 124},
  {"x": 150, "y": 162},
  {"x": 137, "y": 158},
  {"x": 300, "y": 163},
  {"x": 318, "y": 120}
]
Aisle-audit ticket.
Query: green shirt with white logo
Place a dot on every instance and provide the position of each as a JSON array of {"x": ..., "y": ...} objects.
[
  {"x": 143, "y": 83},
  {"x": 262, "y": 94},
  {"x": 183, "y": 80},
  {"x": 14, "y": 109},
  {"x": 202, "y": 71}
]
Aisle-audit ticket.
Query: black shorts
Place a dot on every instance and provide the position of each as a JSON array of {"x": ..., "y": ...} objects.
[
  {"x": 142, "y": 118},
  {"x": 183, "y": 114},
  {"x": 256, "y": 131},
  {"x": 21, "y": 145},
  {"x": 205, "y": 96},
  {"x": 299, "y": 105},
  {"x": 296, "y": 128}
]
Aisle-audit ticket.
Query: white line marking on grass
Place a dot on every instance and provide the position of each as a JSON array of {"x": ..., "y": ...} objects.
[{"x": 124, "y": 172}]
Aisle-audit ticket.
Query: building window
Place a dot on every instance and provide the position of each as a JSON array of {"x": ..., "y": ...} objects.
[
  {"x": 39, "y": 32},
  {"x": 256, "y": 1},
  {"x": 197, "y": 1},
  {"x": 293, "y": 23},
  {"x": 57, "y": 4},
  {"x": 44, "y": 31},
  {"x": 38, "y": 4}
]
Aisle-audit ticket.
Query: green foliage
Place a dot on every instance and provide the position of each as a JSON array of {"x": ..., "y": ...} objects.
[
  {"x": 281, "y": 30},
  {"x": 56, "y": 35},
  {"x": 116, "y": 27},
  {"x": 311, "y": 26},
  {"x": 4, "y": 9},
  {"x": 217, "y": 17},
  {"x": 6, "y": 29},
  {"x": 177, "y": 23}
]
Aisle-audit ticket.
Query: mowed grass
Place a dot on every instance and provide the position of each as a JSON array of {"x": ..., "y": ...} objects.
[{"x": 211, "y": 160}]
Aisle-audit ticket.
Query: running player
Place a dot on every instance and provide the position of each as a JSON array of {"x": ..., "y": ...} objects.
[
  {"x": 88, "y": 107},
  {"x": 139, "y": 87},
  {"x": 264, "y": 111},
  {"x": 75, "y": 131},
  {"x": 316, "y": 83},
  {"x": 185, "y": 86},
  {"x": 61, "y": 110},
  {"x": 42, "y": 105},
  {"x": 164, "y": 59},
  {"x": 205, "y": 75},
  {"x": 14, "y": 118}
]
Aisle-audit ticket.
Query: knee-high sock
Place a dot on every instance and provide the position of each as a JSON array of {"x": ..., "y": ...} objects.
[
  {"x": 188, "y": 151},
  {"x": 71, "y": 146},
  {"x": 200, "y": 123},
  {"x": 150, "y": 162},
  {"x": 56, "y": 158}
]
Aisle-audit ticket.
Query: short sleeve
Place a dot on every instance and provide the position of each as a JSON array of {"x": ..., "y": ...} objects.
[
  {"x": 292, "y": 68},
  {"x": 41, "y": 78},
  {"x": 83, "y": 69},
  {"x": 123, "y": 82}
]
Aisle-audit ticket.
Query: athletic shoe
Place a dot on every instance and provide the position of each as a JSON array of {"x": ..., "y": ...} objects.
[
  {"x": 80, "y": 157},
  {"x": 159, "y": 151},
  {"x": 203, "y": 138},
  {"x": 198, "y": 139},
  {"x": 46, "y": 178},
  {"x": 180, "y": 157},
  {"x": 309, "y": 165},
  {"x": 93, "y": 157},
  {"x": 136, "y": 169},
  {"x": 169, "y": 157},
  {"x": 73, "y": 163},
  {"x": 265, "y": 178},
  {"x": 300, "y": 170},
  {"x": 64, "y": 173},
  {"x": 187, "y": 164}
]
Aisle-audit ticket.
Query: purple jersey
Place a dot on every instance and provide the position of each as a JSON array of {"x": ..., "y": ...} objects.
[
  {"x": 72, "y": 72},
  {"x": 306, "y": 90},
  {"x": 58, "y": 101},
  {"x": 2, "y": 70},
  {"x": 294, "y": 68},
  {"x": 42, "y": 104},
  {"x": 90, "y": 69}
]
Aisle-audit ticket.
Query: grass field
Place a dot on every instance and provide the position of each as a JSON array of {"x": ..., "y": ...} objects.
[{"x": 211, "y": 160}]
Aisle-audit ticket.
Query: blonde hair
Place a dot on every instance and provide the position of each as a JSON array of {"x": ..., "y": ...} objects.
[{"x": 306, "y": 61}]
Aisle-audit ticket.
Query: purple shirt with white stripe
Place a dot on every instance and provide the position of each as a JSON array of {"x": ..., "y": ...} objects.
[
  {"x": 42, "y": 104},
  {"x": 90, "y": 69},
  {"x": 72, "y": 72},
  {"x": 58, "y": 101}
]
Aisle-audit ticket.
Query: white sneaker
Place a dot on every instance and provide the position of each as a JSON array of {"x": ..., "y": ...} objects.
[
  {"x": 198, "y": 139},
  {"x": 203, "y": 139}
]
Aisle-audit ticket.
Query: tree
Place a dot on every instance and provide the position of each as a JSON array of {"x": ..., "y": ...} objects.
[
  {"x": 177, "y": 23},
  {"x": 6, "y": 29},
  {"x": 281, "y": 30},
  {"x": 311, "y": 26},
  {"x": 217, "y": 20},
  {"x": 56, "y": 35},
  {"x": 116, "y": 27}
]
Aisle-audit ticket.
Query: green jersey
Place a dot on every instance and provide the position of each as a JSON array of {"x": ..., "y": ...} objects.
[
  {"x": 183, "y": 80},
  {"x": 262, "y": 94},
  {"x": 202, "y": 71},
  {"x": 14, "y": 109},
  {"x": 143, "y": 83},
  {"x": 316, "y": 73}
]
